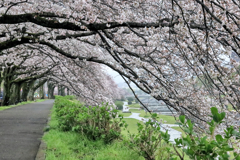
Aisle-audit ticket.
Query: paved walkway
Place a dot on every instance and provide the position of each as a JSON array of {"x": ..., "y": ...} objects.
[
  {"x": 172, "y": 132},
  {"x": 21, "y": 129}
]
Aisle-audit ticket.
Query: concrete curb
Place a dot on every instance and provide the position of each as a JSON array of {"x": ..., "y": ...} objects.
[
  {"x": 41, "y": 151},
  {"x": 41, "y": 154}
]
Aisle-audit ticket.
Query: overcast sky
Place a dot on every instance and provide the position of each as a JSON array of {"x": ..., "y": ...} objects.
[{"x": 117, "y": 78}]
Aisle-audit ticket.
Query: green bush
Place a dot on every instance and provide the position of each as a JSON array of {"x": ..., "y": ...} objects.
[
  {"x": 130, "y": 99},
  {"x": 129, "y": 102},
  {"x": 96, "y": 123},
  {"x": 211, "y": 146},
  {"x": 119, "y": 105},
  {"x": 152, "y": 143},
  {"x": 70, "y": 97},
  {"x": 67, "y": 112}
]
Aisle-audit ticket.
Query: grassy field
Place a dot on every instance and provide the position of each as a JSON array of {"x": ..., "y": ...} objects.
[
  {"x": 125, "y": 114},
  {"x": 132, "y": 126},
  {"x": 134, "y": 105},
  {"x": 22, "y": 103},
  {"x": 180, "y": 130},
  {"x": 165, "y": 119},
  {"x": 73, "y": 146}
]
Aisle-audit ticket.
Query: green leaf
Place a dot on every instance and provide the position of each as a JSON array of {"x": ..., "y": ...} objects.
[
  {"x": 182, "y": 118},
  {"x": 211, "y": 129},
  {"x": 154, "y": 116},
  {"x": 190, "y": 125},
  {"x": 228, "y": 149},
  {"x": 219, "y": 138},
  {"x": 222, "y": 115},
  {"x": 214, "y": 111}
]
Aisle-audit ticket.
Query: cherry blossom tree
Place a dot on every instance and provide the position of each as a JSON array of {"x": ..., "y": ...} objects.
[{"x": 177, "y": 51}]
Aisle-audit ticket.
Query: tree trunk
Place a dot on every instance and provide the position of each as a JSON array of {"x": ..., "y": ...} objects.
[
  {"x": 34, "y": 88},
  {"x": 59, "y": 90},
  {"x": 15, "y": 94},
  {"x": 67, "y": 91},
  {"x": 51, "y": 87},
  {"x": 31, "y": 94},
  {"x": 6, "y": 96},
  {"x": 63, "y": 91},
  {"x": 25, "y": 89},
  {"x": 41, "y": 92}
]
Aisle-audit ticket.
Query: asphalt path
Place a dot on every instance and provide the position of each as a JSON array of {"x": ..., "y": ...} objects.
[{"x": 21, "y": 129}]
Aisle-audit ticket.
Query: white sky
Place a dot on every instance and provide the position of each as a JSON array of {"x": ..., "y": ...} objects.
[{"x": 116, "y": 77}]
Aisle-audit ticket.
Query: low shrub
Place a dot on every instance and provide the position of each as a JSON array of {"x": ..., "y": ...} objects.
[
  {"x": 67, "y": 112},
  {"x": 98, "y": 122},
  {"x": 130, "y": 98},
  {"x": 119, "y": 105},
  {"x": 152, "y": 143}
]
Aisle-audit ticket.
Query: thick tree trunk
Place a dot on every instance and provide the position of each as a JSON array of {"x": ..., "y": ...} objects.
[
  {"x": 8, "y": 76},
  {"x": 15, "y": 94},
  {"x": 67, "y": 91},
  {"x": 41, "y": 92},
  {"x": 25, "y": 89},
  {"x": 31, "y": 95},
  {"x": 63, "y": 91},
  {"x": 51, "y": 93},
  {"x": 51, "y": 90},
  {"x": 59, "y": 90},
  {"x": 7, "y": 93}
]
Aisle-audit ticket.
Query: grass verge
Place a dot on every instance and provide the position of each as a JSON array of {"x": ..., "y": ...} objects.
[
  {"x": 70, "y": 145},
  {"x": 73, "y": 146},
  {"x": 22, "y": 103}
]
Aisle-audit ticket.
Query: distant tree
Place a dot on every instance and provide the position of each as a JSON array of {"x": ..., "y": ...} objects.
[
  {"x": 130, "y": 99},
  {"x": 119, "y": 105},
  {"x": 136, "y": 100}
]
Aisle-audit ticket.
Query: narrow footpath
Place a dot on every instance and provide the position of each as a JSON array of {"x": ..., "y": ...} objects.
[{"x": 21, "y": 129}]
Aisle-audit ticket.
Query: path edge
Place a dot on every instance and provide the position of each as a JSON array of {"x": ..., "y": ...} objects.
[{"x": 41, "y": 154}]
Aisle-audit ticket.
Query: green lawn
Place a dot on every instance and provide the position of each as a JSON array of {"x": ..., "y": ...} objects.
[
  {"x": 180, "y": 130},
  {"x": 134, "y": 105},
  {"x": 132, "y": 126},
  {"x": 125, "y": 114},
  {"x": 168, "y": 119},
  {"x": 136, "y": 110},
  {"x": 22, "y": 103},
  {"x": 74, "y": 146}
]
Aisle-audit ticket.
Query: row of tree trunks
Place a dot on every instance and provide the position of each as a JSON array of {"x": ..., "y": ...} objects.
[
  {"x": 34, "y": 88},
  {"x": 18, "y": 91},
  {"x": 61, "y": 90}
]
